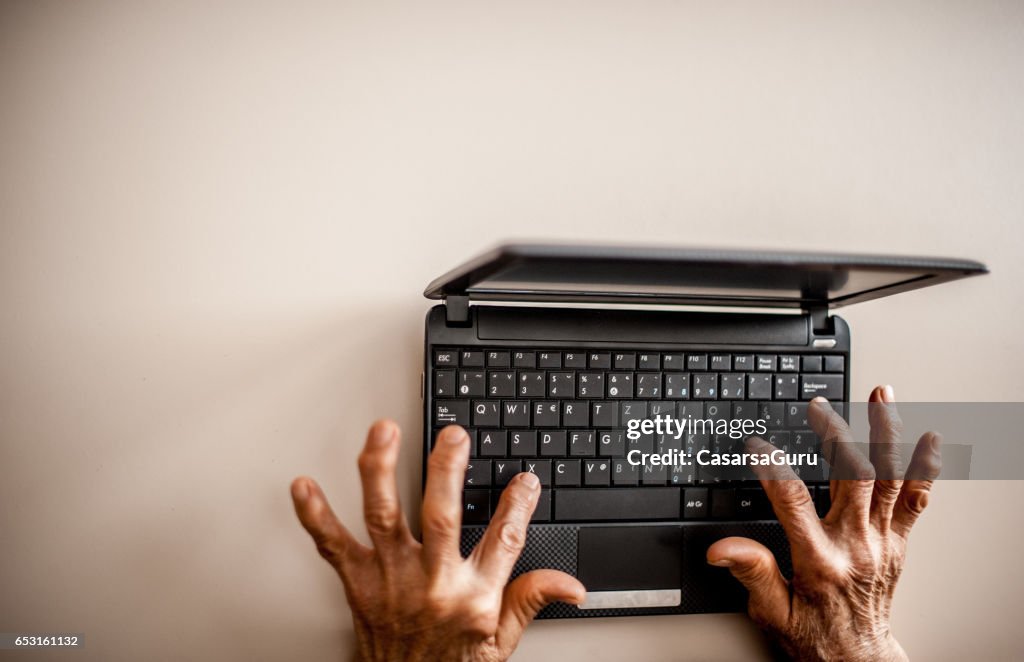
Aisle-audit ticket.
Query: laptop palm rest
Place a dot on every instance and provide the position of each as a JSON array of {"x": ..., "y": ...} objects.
[{"x": 630, "y": 567}]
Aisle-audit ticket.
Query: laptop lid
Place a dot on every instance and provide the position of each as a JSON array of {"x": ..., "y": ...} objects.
[{"x": 691, "y": 276}]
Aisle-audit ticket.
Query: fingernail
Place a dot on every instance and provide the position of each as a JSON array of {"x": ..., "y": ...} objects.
[
  {"x": 820, "y": 399},
  {"x": 456, "y": 436},
  {"x": 302, "y": 490},
  {"x": 888, "y": 394},
  {"x": 722, "y": 563},
  {"x": 530, "y": 479}
]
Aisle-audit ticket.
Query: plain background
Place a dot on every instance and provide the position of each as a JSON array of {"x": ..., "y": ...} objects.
[{"x": 217, "y": 219}]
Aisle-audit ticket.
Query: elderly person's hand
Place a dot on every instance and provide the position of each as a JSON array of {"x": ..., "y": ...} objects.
[
  {"x": 845, "y": 566},
  {"x": 413, "y": 601}
]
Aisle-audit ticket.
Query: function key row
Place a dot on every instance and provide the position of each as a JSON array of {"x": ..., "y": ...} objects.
[{"x": 450, "y": 358}]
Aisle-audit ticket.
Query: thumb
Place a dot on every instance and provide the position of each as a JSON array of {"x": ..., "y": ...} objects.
[
  {"x": 754, "y": 566},
  {"x": 527, "y": 595}
]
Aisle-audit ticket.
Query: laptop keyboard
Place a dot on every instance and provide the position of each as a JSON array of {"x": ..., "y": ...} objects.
[{"x": 563, "y": 415}]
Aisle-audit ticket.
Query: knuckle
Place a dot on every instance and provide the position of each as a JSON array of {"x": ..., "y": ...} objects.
[
  {"x": 440, "y": 520},
  {"x": 512, "y": 537},
  {"x": 373, "y": 461},
  {"x": 329, "y": 551},
  {"x": 381, "y": 518},
  {"x": 795, "y": 495}
]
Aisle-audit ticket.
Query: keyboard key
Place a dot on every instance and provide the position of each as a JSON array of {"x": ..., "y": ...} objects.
[
  {"x": 486, "y": 414},
  {"x": 661, "y": 408},
  {"x": 624, "y": 361},
  {"x": 567, "y": 473},
  {"x": 597, "y": 472},
  {"x": 506, "y": 470},
  {"x": 444, "y": 383},
  {"x": 582, "y": 443},
  {"x": 561, "y": 384},
  {"x": 721, "y": 362},
  {"x": 575, "y": 414},
  {"x": 515, "y": 413},
  {"x": 472, "y": 383},
  {"x": 789, "y": 363},
  {"x": 695, "y": 503},
  {"x": 644, "y": 443},
  {"x": 493, "y": 443},
  {"x": 752, "y": 503},
  {"x": 501, "y": 384},
  {"x": 524, "y": 360},
  {"x": 835, "y": 363},
  {"x": 498, "y": 359},
  {"x": 478, "y": 473},
  {"x": 617, "y": 504},
  {"x": 774, "y": 413},
  {"x": 629, "y": 411},
  {"x": 743, "y": 362},
  {"x": 522, "y": 443},
  {"x": 786, "y": 387},
  {"x": 759, "y": 387},
  {"x": 546, "y": 414},
  {"x": 612, "y": 443},
  {"x": 451, "y": 412},
  {"x": 648, "y": 361},
  {"x": 553, "y": 444},
  {"x": 827, "y": 386},
  {"x": 542, "y": 513},
  {"x": 575, "y": 360},
  {"x": 673, "y": 362},
  {"x": 652, "y": 474},
  {"x": 723, "y": 503},
  {"x": 705, "y": 385},
  {"x": 696, "y": 362},
  {"x": 733, "y": 387},
  {"x": 766, "y": 362},
  {"x": 690, "y": 409},
  {"x": 624, "y": 473},
  {"x": 620, "y": 384},
  {"x": 648, "y": 385},
  {"x": 677, "y": 385},
  {"x": 445, "y": 358},
  {"x": 476, "y": 506},
  {"x": 531, "y": 384},
  {"x": 796, "y": 415},
  {"x": 541, "y": 469},
  {"x": 604, "y": 414},
  {"x": 601, "y": 360},
  {"x": 549, "y": 360},
  {"x": 590, "y": 385},
  {"x": 472, "y": 359},
  {"x": 810, "y": 364},
  {"x": 683, "y": 474}
]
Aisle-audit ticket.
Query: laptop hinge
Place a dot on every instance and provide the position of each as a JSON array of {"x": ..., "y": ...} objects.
[
  {"x": 457, "y": 310},
  {"x": 820, "y": 320}
]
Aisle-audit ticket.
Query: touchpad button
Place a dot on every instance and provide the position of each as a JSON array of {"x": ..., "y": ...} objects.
[{"x": 630, "y": 566}]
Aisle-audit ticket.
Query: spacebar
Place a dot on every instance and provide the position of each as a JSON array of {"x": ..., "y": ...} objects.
[{"x": 617, "y": 504}]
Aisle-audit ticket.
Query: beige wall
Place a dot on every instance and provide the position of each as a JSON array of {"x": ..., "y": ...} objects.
[{"x": 216, "y": 220}]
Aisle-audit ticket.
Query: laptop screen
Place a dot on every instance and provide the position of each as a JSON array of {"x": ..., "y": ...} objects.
[{"x": 693, "y": 276}]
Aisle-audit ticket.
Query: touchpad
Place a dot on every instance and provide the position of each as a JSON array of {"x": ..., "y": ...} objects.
[{"x": 630, "y": 566}]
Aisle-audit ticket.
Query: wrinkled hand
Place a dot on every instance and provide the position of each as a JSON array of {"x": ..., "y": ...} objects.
[
  {"x": 845, "y": 566},
  {"x": 413, "y": 601}
]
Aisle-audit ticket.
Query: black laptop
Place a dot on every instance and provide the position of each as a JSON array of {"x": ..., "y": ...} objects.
[{"x": 546, "y": 353}]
